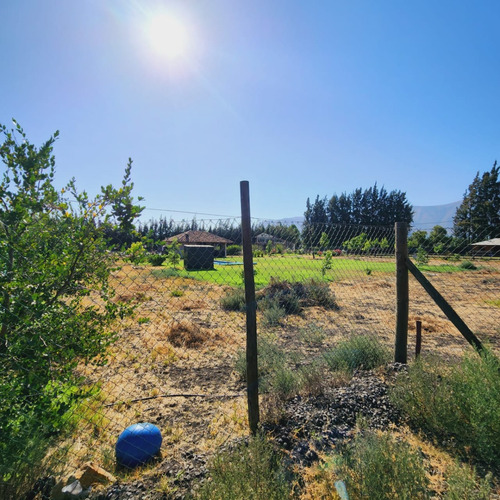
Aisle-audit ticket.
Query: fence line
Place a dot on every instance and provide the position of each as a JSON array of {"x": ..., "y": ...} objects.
[{"x": 176, "y": 354}]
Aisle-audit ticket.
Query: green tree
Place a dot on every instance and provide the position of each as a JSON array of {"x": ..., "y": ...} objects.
[
  {"x": 478, "y": 216},
  {"x": 53, "y": 259},
  {"x": 417, "y": 239},
  {"x": 315, "y": 222},
  {"x": 173, "y": 253},
  {"x": 124, "y": 210},
  {"x": 324, "y": 241},
  {"x": 439, "y": 239}
]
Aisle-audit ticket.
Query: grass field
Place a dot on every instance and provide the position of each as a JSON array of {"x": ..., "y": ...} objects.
[{"x": 298, "y": 268}]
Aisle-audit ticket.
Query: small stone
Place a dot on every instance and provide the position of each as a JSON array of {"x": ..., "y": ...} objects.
[{"x": 91, "y": 473}]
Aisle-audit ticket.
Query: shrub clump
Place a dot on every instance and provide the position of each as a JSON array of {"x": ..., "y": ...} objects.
[
  {"x": 462, "y": 403},
  {"x": 468, "y": 265},
  {"x": 156, "y": 259},
  {"x": 318, "y": 293},
  {"x": 358, "y": 352},
  {"x": 233, "y": 250},
  {"x": 234, "y": 300},
  {"x": 377, "y": 466},
  {"x": 250, "y": 471}
]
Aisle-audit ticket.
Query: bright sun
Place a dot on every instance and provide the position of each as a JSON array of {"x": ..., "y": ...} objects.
[{"x": 168, "y": 36}]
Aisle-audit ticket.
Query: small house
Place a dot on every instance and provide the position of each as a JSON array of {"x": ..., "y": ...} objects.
[{"x": 201, "y": 238}]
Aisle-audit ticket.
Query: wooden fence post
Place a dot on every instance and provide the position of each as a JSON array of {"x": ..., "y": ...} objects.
[
  {"x": 418, "y": 342},
  {"x": 251, "y": 308},
  {"x": 402, "y": 293}
]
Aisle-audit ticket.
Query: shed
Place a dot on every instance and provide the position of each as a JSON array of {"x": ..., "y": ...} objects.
[
  {"x": 201, "y": 238},
  {"x": 490, "y": 248}
]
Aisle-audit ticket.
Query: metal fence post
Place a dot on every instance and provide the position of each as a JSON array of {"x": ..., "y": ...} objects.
[
  {"x": 402, "y": 293},
  {"x": 251, "y": 308}
]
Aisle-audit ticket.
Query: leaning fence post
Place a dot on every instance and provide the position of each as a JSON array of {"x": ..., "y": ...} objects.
[
  {"x": 402, "y": 293},
  {"x": 251, "y": 307}
]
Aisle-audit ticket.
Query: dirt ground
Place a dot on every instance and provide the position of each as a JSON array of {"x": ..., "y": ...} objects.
[{"x": 174, "y": 361}]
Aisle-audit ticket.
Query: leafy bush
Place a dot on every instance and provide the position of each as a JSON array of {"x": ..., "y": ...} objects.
[
  {"x": 462, "y": 403},
  {"x": 234, "y": 300},
  {"x": 136, "y": 254},
  {"x": 257, "y": 251},
  {"x": 318, "y": 293},
  {"x": 463, "y": 483},
  {"x": 422, "y": 257},
  {"x": 54, "y": 257},
  {"x": 233, "y": 250},
  {"x": 273, "y": 314},
  {"x": 358, "y": 352},
  {"x": 281, "y": 294},
  {"x": 156, "y": 259},
  {"x": 468, "y": 265},
  {"x": 377, "y": 466},
  {"x": 251, "y": 471}
]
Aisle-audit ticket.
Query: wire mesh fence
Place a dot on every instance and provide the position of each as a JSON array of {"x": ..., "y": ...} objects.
[{"x": 172, "y": 352}]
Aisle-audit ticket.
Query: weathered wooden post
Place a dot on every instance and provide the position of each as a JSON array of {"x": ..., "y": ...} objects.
[
  {"x": 402, "y": 293},
  {"x": 251, "y": 308},
  {"x": 418, "y": 342}
]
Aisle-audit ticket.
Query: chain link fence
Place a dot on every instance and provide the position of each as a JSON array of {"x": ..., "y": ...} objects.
[{"x": 176, "y": 355}]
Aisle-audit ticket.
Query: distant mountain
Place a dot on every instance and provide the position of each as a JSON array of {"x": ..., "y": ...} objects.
[
  {"x": 436, "y": 215},
  {"x": 425, "y": 217}
]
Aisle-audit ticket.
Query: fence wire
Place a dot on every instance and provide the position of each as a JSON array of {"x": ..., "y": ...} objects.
[{"x": 177, "y": 360}]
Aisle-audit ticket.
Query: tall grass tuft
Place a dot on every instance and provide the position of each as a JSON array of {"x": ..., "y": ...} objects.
[
  {"x": 358, "y": 352},
  {"x": 377, "y": 466},
  {"x": 234, "y": 300},
  {"x": 462, "y": 403},
  {"x": 252, "y": 471},
  {"x": 463, "y": 483}
]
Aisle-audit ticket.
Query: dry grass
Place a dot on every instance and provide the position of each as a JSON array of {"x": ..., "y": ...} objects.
[{"x": 189, "y": 346}]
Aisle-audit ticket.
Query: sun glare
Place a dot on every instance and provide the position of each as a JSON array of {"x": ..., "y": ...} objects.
[{"x": 168, "y": 37}]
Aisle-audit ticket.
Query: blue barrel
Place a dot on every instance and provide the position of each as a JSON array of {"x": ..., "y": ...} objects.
[{"x": 137, "y": 444}]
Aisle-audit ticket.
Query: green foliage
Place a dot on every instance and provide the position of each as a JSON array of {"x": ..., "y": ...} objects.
[
  {"x": 463, "y": 403},
  {"x": 269, "y": 247},
  {"x": 173, "y": 253},
  {"x": 234, "y": 250},
  {"x": 176, "y": 293},
  {"x": 377, "y": 466},
  {"x": 468, "y": 265},
  {"x": 358, "y": 352},
  {"x": 372, "y": 206},
  {"x": 124, "y": 211},
  {"x": 417, "y": 239},
  {"x": 282, "y": 295},
  {"x": 356, "y": 244},
  {"x": 273, "y": 314},
  {"x": 257, "y": 251},
  {"x": 156, "y": 259},
  {"x": 478, "y": 217},
  {"x": 318, "y": 293},
  {"x": 54, "y": 257},
  {"x": 327, "y": 262},
  {"x": 324, "y": 241},
  {"x": 422, "y": 258},
  {"x": 252, "y": 471},
  {"x": 463, "y": 483},
  {"x": 233, "y": 300},
  {"x": 136, "y": 254}
]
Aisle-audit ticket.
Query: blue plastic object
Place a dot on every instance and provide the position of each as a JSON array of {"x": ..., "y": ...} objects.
[{"x": 137, "y": 444}]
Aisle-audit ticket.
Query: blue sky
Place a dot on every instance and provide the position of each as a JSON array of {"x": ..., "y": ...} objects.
[{"x": 300, "y": 98}]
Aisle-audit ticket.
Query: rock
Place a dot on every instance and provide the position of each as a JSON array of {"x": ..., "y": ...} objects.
[
  {"x": 91, "y": 474},
  {"x": 74, "y": 490}
]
